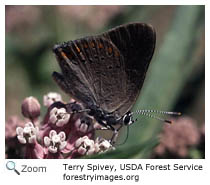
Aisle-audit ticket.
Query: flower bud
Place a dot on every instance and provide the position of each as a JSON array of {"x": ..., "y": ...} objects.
[{"x": 30, "y": 108}]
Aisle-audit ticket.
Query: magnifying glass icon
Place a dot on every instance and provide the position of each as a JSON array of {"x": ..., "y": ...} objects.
[{"x": 11, "y": 166}]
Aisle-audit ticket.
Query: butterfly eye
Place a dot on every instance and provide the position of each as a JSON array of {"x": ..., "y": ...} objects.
[{"x": 127, "y": 119}]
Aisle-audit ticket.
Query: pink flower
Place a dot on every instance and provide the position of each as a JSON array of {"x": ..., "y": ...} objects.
[
  {"x": 65, "y": 132},
  {"x": 51, "y": 98},
  {"x": 55, "y": 143},
  {"x": 85, "y": 146},
  {"x": 83, "y": 125},
  {"x": 102, "y": 145},
  {"x": 177, "y": 138},
  {"x": 59, "y": 117},
  {"x": 28, "y": 136}
]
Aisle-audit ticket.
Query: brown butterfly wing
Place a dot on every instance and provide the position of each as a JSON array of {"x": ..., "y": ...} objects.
[
  {"x": 92, "y": 72},
  {"x": 136, "y": 43},
  {"x": 107, "y": 70}
]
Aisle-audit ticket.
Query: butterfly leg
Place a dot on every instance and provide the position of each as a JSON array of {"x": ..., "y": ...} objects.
[
  {"x": 114, "y": 137},
  {"x": 109, "y": 127},
  {"x": 115, "y": 134}
]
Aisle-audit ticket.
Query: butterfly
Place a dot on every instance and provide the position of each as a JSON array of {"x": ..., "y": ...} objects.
[{"x": 106, "y": 72}]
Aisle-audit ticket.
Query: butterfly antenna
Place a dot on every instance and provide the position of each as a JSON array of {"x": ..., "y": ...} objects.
[
  {"x": 146, "y": 113},
  {"x": 158, "y": 112}
]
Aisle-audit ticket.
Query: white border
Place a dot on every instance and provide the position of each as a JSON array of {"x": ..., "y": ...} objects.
[
  {"x": 105, "y": 2},
  {"x": 55, "y": 166}
]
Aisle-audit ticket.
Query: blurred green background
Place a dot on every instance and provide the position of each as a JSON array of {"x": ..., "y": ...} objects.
[{"x": 175, "y": 80}]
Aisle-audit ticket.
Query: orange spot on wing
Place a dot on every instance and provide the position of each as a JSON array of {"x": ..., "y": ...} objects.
[
  {"x": 85, "y": 46},
  {"x": 116, "y": 53},
  {"x": 101, "y": 46},
  {"x": 92, "y": 44},
  {"x": 110, "y": 50},
  {"x": 78, "y": 49},
  {"x": 63, "y": 54}
]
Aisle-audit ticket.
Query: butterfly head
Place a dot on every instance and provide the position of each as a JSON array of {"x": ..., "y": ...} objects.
[{"x": 128, "y": 119}]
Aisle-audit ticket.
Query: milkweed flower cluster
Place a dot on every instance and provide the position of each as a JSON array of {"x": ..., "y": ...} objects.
[
  {"x": 63, "y": 133},
  {"x": 177, "y": 140}
]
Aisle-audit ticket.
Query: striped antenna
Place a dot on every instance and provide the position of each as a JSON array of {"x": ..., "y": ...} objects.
[
  {"x": 158, "y": 112},
  {"x": 145, "y": 113}
]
